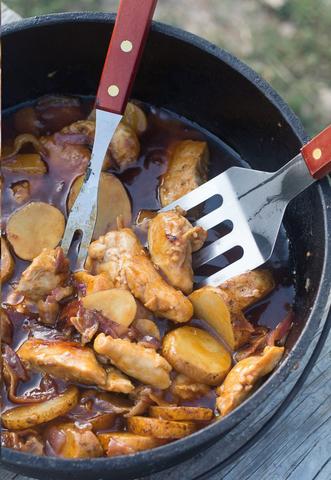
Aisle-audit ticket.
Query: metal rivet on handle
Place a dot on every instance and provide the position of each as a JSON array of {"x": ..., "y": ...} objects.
[
  {"x": 126, "y": 46},
  {"x": 317, "y": 153},
  {"x": 113, "y": 90}
]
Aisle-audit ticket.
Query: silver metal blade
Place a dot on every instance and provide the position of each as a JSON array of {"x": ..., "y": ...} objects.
[{"x": 83, "y": 214}]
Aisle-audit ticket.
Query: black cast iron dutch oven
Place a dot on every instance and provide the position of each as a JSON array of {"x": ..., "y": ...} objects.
[{"x": 207, "y": 85}]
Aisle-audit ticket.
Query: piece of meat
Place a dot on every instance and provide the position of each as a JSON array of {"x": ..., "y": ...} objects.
[
  {"x": 187, "y": 169},
  {"x": 64, "y": 360},
  {"x": 65, "y": 156},
  {"x": 171, "y": 241},
  {"x": 242, "y": 328},
  {"x": 28, "y": 441},
  {"x": 121, "y": 255},
  {"x": 49, "y": 270},
  {"x": 139, "y": 362},
  {"x": 68, "y": 441},
  {"x": 118, "y": 382},
  {"x": 185, "y": 388},
  {"x": 21, "y": 191},
  {"x": 143, "y": 398},
  {"x": 6, "y": 328},
  {"x": 243, "y": 377},
  {"x": 242, "y": 291}
]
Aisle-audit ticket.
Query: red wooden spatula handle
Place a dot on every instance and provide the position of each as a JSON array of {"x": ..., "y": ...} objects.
[
  {"x": 125, "y": 49},
  {"x": 317, "y": 154}
]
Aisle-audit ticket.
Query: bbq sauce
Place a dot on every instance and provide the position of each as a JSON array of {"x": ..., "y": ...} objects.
[{"x": 141, "y": 182}]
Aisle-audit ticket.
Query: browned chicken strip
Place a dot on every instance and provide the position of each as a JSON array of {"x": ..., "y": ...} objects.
[
  {"x": 139, "y": 362},
  {"x": 68, "y": 361},
  {"x": 242, "y": 291},
  {"x": 171, "y": 241},
  {"x": 187, "y": 169},
  {"x": 241, "y": 380},
  {"x": 121, "y": 255},
  {"x": 49, "y": 270}
]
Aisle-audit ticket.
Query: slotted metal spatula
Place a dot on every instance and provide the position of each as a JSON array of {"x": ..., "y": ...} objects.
[
  {"x": 125, "y": 49},
  {"x": 254, "y": 202}
]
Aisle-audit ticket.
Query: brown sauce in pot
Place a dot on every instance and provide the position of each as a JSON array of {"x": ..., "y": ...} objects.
[{"x": 141, "y": 182}]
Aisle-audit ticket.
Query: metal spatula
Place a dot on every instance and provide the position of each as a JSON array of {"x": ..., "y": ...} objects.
[
  {"x": 254, "y": 202},
  {"x": 120, "y": 67}
]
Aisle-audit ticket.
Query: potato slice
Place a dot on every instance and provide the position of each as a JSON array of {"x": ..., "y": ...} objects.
[
  {"x": 34, "y": 227},
  {"x": 197, "y": 354},
  {"x": 93, "y": 283},
  {"x": 29, "y": 163},
  {"x": 113, "y": 202},
  {"x": 135, "y": 118},
  {"x": 7, "y": 261},
  {"x": 209, "y": 306},
  {"x": 159, "y": 428},
  {"x": 181, "y": 413},
  {"x": 123, "y": 443},
  {"x": 19, "y": 418},
  {"x": 116, "y": 304}
]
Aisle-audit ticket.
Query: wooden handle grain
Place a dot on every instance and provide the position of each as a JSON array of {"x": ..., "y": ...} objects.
[
  {"x": 125, "y": 49},
  {"x": 317, "y": 154}
]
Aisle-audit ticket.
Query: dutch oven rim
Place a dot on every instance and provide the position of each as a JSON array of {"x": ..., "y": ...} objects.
[{"x": 317, "y": 316}]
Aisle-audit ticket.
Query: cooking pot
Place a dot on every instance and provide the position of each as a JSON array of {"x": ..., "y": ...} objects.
[{"x": 63, "y": 53}]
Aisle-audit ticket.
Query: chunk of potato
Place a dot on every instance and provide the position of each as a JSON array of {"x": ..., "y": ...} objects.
[
  {"x": 209, "y": 306},
  {"x": 181, "y": 413},
  {"x": 93, "y": 283},
  {"x": 77, "y": 442},
  {"x": 116, "y": 304},
  {"x": 7, "y": 261},
  {"x": 160, "y": 428},
  {"x": 29, "y": 163},
  {"x": 135, "y": 118},
  {"x": 123, "y": 443},
  {"x": 197, "y": 354},
  {"x": 34, "y": 227},
  {"x": 19, "y": 418},
  {"x": 113, "y": 202}
]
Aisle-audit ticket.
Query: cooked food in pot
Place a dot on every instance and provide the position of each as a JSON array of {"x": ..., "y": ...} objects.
[{"x": 128, "y": 354}]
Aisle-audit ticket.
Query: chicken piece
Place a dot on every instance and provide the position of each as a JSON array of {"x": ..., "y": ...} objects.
[
  {"x": 244, "y": 376},
  {"x": 117, "y": 381},
  {"x": 171, "y": 241},
  {"x": 124, "y": 146},
  {"x": 65, "y": 360},
  {"x": 139, "y": 362},
  {"x": 66, "y": 156},
  {"x": 185, "y": 388},
  {"x": 21, "y": 191},
  {"x": 6, "y": 328},
  {"x": 28, "y": 441},
  {"x": 242, "y": 291},
  {"x": 70, "y": 441},
  {"x": 49, "y": 270},
  {"x": 85, "y": 129},
  {"x": 187, "y": 169},
  {"x": 121, "y": 255},
  {"x": 93, "y": 283}
]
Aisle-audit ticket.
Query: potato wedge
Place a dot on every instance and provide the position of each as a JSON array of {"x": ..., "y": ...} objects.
[
  {"x": 113, "y": 202},
  {"x": 187, "y": 169},
  {"x": 209, "y": 306},
  {"x": 93, "y": 283},
  {"x": 159, "y": 428},
  {"x": 197, "y": 354},
  {"x": 7, "y": 261},
  {"x": 116, "y": 304},
  {"x": 181, "y": 413},
  {"x": 19, "y": 418},
  {"x": 34, "y": 227},
  {"x": 135, "y": 118},
  {"x": 124, "y": 443},
  {"x": 76, "y": 442},
  {"x": 29, "y": 163}
]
